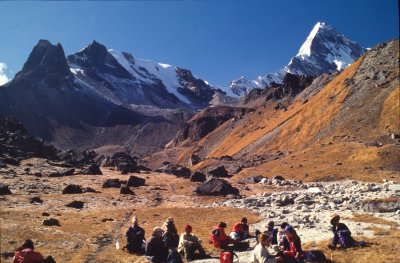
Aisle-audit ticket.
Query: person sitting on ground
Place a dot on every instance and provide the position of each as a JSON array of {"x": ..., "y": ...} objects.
[
  {"x": 135, "y": 237},
  {"x": 189, "y": 244},
  {"x": 26, "y": 253},
  {"x": 171, "y": 237},
  {"x": 260, "y": 252},
  {"x": 240, "y": 231},
  {"x": 271, "y": 232},
  {"x": 341, "y": 234},
  {"x": 155, "y": 247},
  {"x": 282, "y": 240},
  {"x": 220, "y": 240},
  {"x": 296, "y": 253}
]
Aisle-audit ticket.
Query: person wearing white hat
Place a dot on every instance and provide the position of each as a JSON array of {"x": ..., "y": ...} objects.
[{"x": 135, "y": 237}]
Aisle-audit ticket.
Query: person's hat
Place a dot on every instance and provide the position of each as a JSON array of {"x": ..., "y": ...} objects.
[
  {"x": 188, "y": 228},
  {"x": 170, "y": 219},
  {"x": 135, "y": 220},
  {"x": 335, "y": 218},
  {"x": 157, "y": 230}
]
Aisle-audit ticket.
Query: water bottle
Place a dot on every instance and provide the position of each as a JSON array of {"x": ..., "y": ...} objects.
[{"x": 117, "y": 245}]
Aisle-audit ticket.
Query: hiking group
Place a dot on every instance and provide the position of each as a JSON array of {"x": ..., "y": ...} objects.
[{"x": 166, "y": 246}]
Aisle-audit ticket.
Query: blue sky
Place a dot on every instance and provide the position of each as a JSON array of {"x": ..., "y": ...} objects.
[{"x": 218, "y": 40}]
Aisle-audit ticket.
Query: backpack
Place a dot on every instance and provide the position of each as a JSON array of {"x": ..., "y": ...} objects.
[
  {"x": 315, "y": 256},
  {"x": 345, "y": 239},
  {"x": 226, "y": 256}
]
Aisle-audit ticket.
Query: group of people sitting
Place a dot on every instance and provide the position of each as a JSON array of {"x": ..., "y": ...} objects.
[
  {"x": 287, "y": 243},
  {"x": 164, "y": 245}
]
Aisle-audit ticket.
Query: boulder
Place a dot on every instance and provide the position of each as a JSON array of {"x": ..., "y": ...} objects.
[
  {"x": 72, "y": 189},
  {"x": 198, "y": 177},
  {"x": 93, "y": 169},
  {"x": 253, "y": 179},
  {"x": 51, "y": 222},
  {"x": 112, "y": 183},
  {"x": 2, "y": 164},
  {"x": 218, "y": 172},
  {"x": 135, "y": 181},
  {"x": 279, "y": 178},
  {"x": 76, "y": 204},
  {"x": 49, "y": 259},
  {"x": 215, "y": 186},
  {"x": 181, "y": 172},
  {"x": 125, "y": 190},
  {"x": 194, "y": 159},
  {"x": 126, "y": 168},
  {"x": 4, "y": 190},
  {"x": 36, "y": 200}
]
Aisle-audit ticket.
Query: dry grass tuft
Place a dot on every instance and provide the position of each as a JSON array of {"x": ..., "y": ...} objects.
[{"x": 368, "y": 218}]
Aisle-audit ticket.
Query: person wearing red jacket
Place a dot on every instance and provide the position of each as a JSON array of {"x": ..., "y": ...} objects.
[
  {"x": 26, "y": 254},
  {"x": 219, "y": 239},
  {"x": 240, "y": 231}
]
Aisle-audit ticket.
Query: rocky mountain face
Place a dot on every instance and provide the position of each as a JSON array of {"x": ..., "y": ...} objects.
[
  {"x": 16, "y": 144},
  {"x": 346, "y": 122},
  {"x": 89, "y": 99},
  {"x": 324, "y": 51}
]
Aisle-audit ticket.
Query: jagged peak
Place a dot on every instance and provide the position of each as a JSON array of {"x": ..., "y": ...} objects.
[{"x": 45, "y": 53}]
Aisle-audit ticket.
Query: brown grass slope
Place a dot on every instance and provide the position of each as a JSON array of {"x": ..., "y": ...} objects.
[{"x": 342, "y": 131}]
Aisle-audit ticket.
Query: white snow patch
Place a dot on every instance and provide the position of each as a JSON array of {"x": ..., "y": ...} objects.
[{"x": 164, "y": 72}]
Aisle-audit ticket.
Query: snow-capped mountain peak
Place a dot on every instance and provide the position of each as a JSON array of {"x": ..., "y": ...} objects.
[{"x": 324, "y": 51}]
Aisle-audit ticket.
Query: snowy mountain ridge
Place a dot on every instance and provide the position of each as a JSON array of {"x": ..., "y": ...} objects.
[{"x": 324, "y": 51}]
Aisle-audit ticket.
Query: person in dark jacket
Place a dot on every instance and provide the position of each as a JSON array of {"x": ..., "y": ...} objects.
[
  {"x": 170, "y": 236},
  {"x": 271, "y": 232},
  {"x": 341, "y": 234},
  {"x": 155, "y": 247},
  {"x": 135, "y": 237},
  {"x": 26, "y": 253}
]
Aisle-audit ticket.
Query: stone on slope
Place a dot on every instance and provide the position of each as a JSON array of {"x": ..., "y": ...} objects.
[
  {"x": 72, "y": 189},
  {"x": 215, "y": 186}
]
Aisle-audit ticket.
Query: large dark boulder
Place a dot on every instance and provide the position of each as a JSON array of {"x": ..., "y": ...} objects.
[
  {"x": 122, "y": 160},
  {"x": 51, "y": 222},
  {"x": 125, "y": 190},
  {"x": 218, "y": 172},
  {"x": 135, "y": 181},
  {"x": 36, "y": 200},
  {"x": 65, "y": 172},
  {"x": 198, "y": 177},
  {"x": 215, "y": 186},
  {"x": 112, "y": 183},
  {"x": 4, "y": 190},
  {"x": 72, "y": 189},
  {"x": 78, "y": 158},
  {"x": 193, "y": 160},
  {"x": 181, "y": 172},
  {"x": 278, "y": 177},
  {"x": 93, "y": 169},
  {"x": 76, "y": 204}
]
